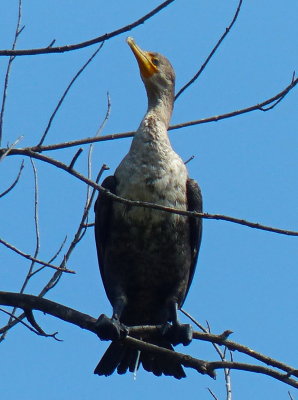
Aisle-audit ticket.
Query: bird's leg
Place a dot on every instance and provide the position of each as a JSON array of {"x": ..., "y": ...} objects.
[
  {"x": 177, "y": 333},
  {"x": 112, "y": 328}
]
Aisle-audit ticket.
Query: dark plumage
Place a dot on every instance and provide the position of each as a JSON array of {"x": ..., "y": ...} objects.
[{"x": 147, "y": 257}]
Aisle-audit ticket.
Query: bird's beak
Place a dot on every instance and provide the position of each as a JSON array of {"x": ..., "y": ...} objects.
[{"x": 147, "y": 68}]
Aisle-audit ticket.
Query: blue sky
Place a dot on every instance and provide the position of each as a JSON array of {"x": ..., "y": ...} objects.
[{"x": 246, "y": 280}]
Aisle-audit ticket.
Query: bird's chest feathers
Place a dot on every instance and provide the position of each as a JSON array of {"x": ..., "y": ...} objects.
[{"x": 154, "y": 173}]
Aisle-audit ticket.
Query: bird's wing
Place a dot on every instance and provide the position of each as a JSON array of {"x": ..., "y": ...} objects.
[
  {"x": 103, "y": 212},
  {"x": 194, "y": 203}
]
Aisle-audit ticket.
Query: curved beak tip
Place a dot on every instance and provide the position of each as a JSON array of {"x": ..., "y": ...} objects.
[{"x": 130, "y": 41}]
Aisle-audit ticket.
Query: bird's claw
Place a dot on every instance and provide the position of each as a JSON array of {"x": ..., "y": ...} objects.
[
  {"x": 178, "y": 333},
  {"x": 110, "y": 328}
]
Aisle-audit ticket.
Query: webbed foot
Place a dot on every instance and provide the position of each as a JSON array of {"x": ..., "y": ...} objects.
[
  {"x": 110, "y": 328},
  {"x": 178, "y": 333}
]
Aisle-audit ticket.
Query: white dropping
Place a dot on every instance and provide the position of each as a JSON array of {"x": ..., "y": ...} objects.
[{"x": 136, "y": 366}]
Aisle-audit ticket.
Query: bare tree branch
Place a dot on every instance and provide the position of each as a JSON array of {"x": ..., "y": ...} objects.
[
  {"x": 107, "y": 116},
  {"x": 38, "y": 331},
  {"x": 99, "y": 39},
  {"x": 50, "y": 284},
  {"x": 57, "y": 275},
  {"x": 5, "y": 152},
  {"x": 256, "y": 107},
  {"x": 243, "y": 222},
  {"x": 273, "y": 101},
  {"x": 212, "y": 394},
  {"x": 29, "y": 257},
  {"x": 84, "y": 321},
  {"x": 291, "y": 397},
  {"x": 195, "y": 77},
  {"x": 221, "y": 354},
  {"x": 65, "y": 93},
  {"x": 59, "y": 250},
  {"x": 36, "y": 217},
  {"x": 74, "y": 159},
  {"x": 37, "y": 246},
  {"x": 18, "y": 31},
  {"x": 14, "y": 182},
  {"x": 223, "y": 340},
  {"x": 213, "y": 365},
  {"x": 59, "y": 164},
  {"x": 233, "y": 346}
]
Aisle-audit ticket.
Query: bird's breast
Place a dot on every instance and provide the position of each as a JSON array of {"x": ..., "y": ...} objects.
[{"x": 154, "y": 178}]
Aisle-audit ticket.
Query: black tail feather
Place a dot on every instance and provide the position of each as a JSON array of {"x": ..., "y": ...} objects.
[
  {"x": 129, "y": 361},
  {"x": 123, "y": 358},
  {"x": 110, "y": 359}
]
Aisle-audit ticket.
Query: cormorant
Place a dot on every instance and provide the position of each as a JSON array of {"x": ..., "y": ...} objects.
[{"x": 147, "y": 257}]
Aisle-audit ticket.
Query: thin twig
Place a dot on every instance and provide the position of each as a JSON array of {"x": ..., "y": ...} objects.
[
  {"x": 52, "y": 43},
  {"x": 53, "y": 281},
  {"x": 53, "y": 258},
  {"x": 18, "y": 31},
  {"x": 13, "y": 317},
  {"x": 291, "y": 397},
  {"x": 14, "y": 182},
  {"x": 31, "y": 319},
  {"x": 29, "y": 257},
  {"x": 59, "y": 250},
  {"x": 75, "y": 157},
  {"x": 107, "y": 116},
  {"x": 212, "y": 394},
  {"x": 217, "y": 349},
  {"x": 65, "y": 93},
  {"x": 195, "y": 77},
  {"x": 254, "y": 225},
  {"x": 78, "y": 236},
  {"x": 91, "y": 193},
  {"x": 226, "y": 371},
  {"x": 37, "y": 246},
  {"x": 36, "y": 228},
  {"x": 48, "y": 286},
  {"x": 189, "y": 160},
  {"x": 38, "y": 332},
  {"x": 99, "y": 39},
  {"x": 5, "y": 152},
  {"x": 36, "y": 219}
]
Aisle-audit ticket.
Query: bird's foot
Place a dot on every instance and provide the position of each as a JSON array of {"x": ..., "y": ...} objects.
[
  {"x": 110, "y": 328},
  {"x": 178, "y": 333}
]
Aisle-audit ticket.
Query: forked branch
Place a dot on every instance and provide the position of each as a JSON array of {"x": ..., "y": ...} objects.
[{"x": 288, "y": 374}]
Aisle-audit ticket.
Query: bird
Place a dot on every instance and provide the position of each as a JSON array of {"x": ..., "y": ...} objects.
[{"x": 147, "y": 257}]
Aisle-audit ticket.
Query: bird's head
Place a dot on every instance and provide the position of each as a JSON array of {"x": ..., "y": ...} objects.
[{"x": 156, "y": 72}]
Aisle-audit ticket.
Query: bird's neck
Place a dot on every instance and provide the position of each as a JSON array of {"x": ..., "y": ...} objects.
[
  {"x": 154, "y": 126},
  {"x": 161, "y": 107}
]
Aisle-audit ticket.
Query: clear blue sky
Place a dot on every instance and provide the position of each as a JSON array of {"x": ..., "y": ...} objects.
[{"x": 246, "y": 280}]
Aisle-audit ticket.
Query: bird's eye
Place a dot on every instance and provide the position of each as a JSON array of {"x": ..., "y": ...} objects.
[{"x": 155, "y": 61}]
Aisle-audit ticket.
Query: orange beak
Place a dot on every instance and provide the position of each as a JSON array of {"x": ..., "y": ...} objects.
[{"x": 147, "y": 68}]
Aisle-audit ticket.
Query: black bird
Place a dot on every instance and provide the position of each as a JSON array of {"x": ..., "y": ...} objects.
[{"x": 147, "y": 257}]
